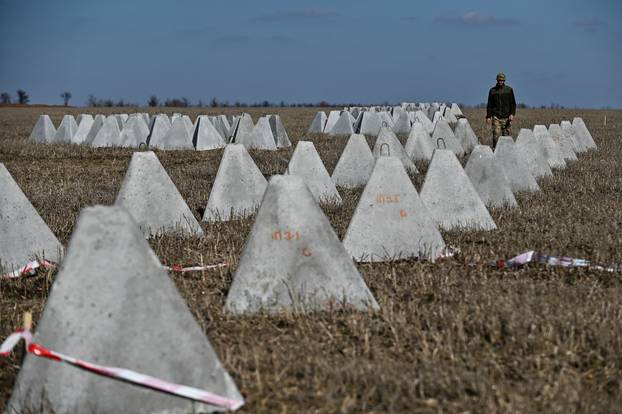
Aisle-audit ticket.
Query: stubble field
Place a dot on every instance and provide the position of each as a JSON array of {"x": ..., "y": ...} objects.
[{"x": 454, "y": 336}]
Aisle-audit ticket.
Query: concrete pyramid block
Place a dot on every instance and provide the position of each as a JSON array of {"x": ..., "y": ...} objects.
[
  {"x": 465, "y": 135},
  {"x": 516, "y": 169},
  {"x": 44, "y": 130},
  {"x": 221, "y": 124},
  {"x": 355, "y": 164},
  {"x": 139, "y": 131},
  {"x": 23, "y": 233},
  {"x": 333, "y": 117},
  {"x": 583, "y": 133},
  {"x": 402, "y": 124},
  {"x": 370, "y": 124},
  {"x": 159, "y": 129},
  {"x": 318, "y": 123},
  {"x": 259, "y": 138},
  {"x": 84, "y": 126},
  {"x": 150, "y": 196},
  {"x": 98, "y": 122},
  {"x": 306, "y": 163},
  {"x": 112, "y": 303},
  {"x": 188, "y": 123},
  {"x": 238, "y": 186},
  {"x": 423, "y": 118},
  {"x": 386, "y": 119},
  {"x": 278, "y": 132},
  {"x": 343, "y": 126},
  {"x": 205, "y": 136},
  {"x": 128, "y": 139},
  {"x": 419, "y": 146},
  {"x": 243, "y": 129},
  {"x": 532, "y": 152},
  {"x": 455, "y": 110},
  {"x": 552, "y": 151},
  {"x": 390, "y": 221},
  {"x": 177, "y": 137},
  {"x": 443, "y": 134},
  {"x": 450, "y": 198},
  {"x": 108, "y": 135},
  {"x": 66, "y": 129},
  {"x": 388, "y": 142},
  {"x": 488, "y": 177},
  {"x": 564, "y": 142},
  {"x": 571, "y": 134},
  {"x": 293, "y": 260}
]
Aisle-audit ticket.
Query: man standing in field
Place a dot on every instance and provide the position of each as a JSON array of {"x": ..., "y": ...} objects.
[{"x": 501, "y": 109}]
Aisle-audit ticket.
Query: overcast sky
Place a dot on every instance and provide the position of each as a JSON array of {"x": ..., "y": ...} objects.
[{"x": 565, "y": 52}]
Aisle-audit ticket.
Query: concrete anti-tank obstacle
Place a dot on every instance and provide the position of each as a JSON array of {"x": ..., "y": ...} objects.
[
  {"x": 370, "y": 124},
  {"x": 205, "y": 136},
  {"x": 278, "y": 131},
  {"x": 188, "y": 123},
  {"x": 84, "y": 126},
  {"x": 465, "y": 135},
  {"x": 66, "y": 130},
  {"x": 532, "y": 152},
  {"x": 221, "y": 124},
  {"x": 238, "y": 186},
  {"x": 386, "y": 120},
  {"x": 450, "y": 198},
  {"x": 242, "y": 129},
  {"x": 176, "y": 138},
  {"x": 489, "y": 179},
  {"x": 390, "y": 221},
  {"x": 564, "y": 142},
  {"x": 443, "y": 131},
  {"x": 108, "y": 135},
  {"x": 333, "y": 117},
  {"x": 159, "y": 129},
  {"x": 419, "y": 146},
  {"x": 402, "y": 124},
  {"x": 306, "y": 163},
  {"x": 423, "y": 118},
  {"x": 516, "y": 169},
  {"x": 24, "y": 235},
  {"x": 293, "y": 260},
  {"x": 318, "y": 123},
  {"x": 98, "y": 123},
  {"x": 455, "y": 109},
  {"x": 355, "y": 164},
  {"x": 137, "y": 124},
  {"x": 260, "y": 137},
  {"x": 583, "y": 133},
  {"x": 112, "y": 303},
  {"x": 386, "y": 138},
  {"x": 44, "y": 130},
  {"x": 343, "y": 126},
  {"x": 449, "y": 116},
  {"x": 552, "y": 151},
  {"x": 150, "y": 196},
  {"x": 571, "y": 134}
]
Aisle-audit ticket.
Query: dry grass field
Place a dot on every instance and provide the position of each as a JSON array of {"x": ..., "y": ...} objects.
[{"x": 456, "y": 336}]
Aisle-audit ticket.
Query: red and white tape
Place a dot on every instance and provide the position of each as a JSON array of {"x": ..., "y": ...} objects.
[
  {"x": 533, "y": 256},
  {"x": 122, "y": 374},
  {"x": 180, "y": 269}
]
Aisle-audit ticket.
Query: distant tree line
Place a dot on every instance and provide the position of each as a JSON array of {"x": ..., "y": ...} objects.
[
  {"x": 22, "y": 97},
  {"x": 95, "y": 102}
]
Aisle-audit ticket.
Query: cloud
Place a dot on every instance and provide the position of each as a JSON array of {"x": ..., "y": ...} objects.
[
  {"x": 476, "y": 19},
  {"x": 297, "y": 16},
  {"x": 409, "y": 19},
  {"x": 589, "y": 24}
]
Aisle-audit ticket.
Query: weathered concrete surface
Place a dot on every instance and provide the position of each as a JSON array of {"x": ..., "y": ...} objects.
[
  {"x": 343, "y": 126},
  {"x": 423, "y": 118},
  {"x": 243, "y": 129},
  {"x": 293, "y": 260},
  {"x": 66, "y": 130},
  {"x": 390, "y": 221},
  {"x": 355, "y": 164},
  {"x": 278, "y": 132},
  {"x": 370, "y": 124},
  {"x": 450, "y": 197},
  {"x": 402, "y": 124},
  {"x": 419, "y": 146},
  {"x": 44, "y": 130},
  {"x": 23, "y": 233},
  {"x": 98, "y": 122},
  {"x": 387, "y": 141},
  {"x": 175, "y": 138},
  {"x": 583, "y": 133},
  {"x": 564, "y": 142},
  {"x": 551, "y": 150},
  {"x": 85, "y": 125},
  {"x": 532, "y": 152},
  {"x": 205, "y": 136},
  {"x": 238, "y": 186},
  {"x": 455, "y": 109},
  {"x": 221, "y": 124},
  {"x": 443, "y": 133},
  {"x": 150, "y": 196},
  {"x": 306, "y": 163},
  {"x": 489, "y": 179},
  {"x": 516, "y": 169},
  {"x": 260, "y": 137},
  {"x": 128, "y": 139},
  {"x": 139, "y": 127},
  {"x": 159, "y": 129},
  {"x": 465, "y": 135},
  {"x": 318, "y": 123},
  {"x": 333, "y": 117},
  {"x": 113, "y": 304},
  {"x": 571, "y": 134},
  {"x": 108, "y": 135}
]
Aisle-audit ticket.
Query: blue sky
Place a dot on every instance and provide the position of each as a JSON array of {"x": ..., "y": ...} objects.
[{"x": 566, "y": 52}]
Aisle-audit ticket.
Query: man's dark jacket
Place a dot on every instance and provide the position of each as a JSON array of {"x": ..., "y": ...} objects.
[{"x": 501, "y": 102}]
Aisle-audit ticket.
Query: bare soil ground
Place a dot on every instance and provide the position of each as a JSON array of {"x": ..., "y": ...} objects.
[{"x": 450, "y": 337}]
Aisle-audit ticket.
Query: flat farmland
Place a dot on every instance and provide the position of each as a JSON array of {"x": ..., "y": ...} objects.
[{"x": 453, "y": 336}]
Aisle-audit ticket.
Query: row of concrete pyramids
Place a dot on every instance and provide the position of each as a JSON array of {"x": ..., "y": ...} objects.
[{"x": 162, "y": 132}]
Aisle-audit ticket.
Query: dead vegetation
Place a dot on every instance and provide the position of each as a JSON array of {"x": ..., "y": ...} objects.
[{"x": 455, "y": 336}]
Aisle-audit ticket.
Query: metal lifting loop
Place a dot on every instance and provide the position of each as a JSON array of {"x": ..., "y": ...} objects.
[
  {"x": 142, "y": 145},
  {"x": 384, "y": 124},
  {"x": 383, "y": 145},
  {"x": 444, "y": 145}
]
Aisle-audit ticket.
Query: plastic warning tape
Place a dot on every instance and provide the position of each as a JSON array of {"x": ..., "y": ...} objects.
[
  {"x": 181, "y": 269},
  {"x": 533, "y": 256},
  {"x": 121, "y": 374}
]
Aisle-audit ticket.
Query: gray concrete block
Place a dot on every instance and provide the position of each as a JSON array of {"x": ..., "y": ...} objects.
[
  {"x": 278, "y": 132},
  {"x": 108, "y": 135},
  {"x": 571, "y": 134},
  {"x": 551, "y": 150},
  {"x": 343, "y": 126},
  {"x": 583, "y": 133},
  {"x": 205, "y": 136},
  {"x": 84, "y": 126},
  {"x": 443, "y": 134},
  {"x": 465, "y": 135},
  {"x": 387, "y": 141},
  {"x": 66, "y": 130},
  {"x": 488, "y": 177},
  {"x": 318, "y": 123},
  {"x": 44, "y": 130},
  {"x": 306, "y": 163},
  {"x": 355, "y": 164},
  {"x": 532, "y": 152},
  {"x": 419, "y": 146},
  {"x": 564, "y": 142},
  {"x": 177, "y": 137},
  {"x": 516, "y": 169}
]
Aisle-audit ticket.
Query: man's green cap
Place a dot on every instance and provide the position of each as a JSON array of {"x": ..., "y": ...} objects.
[{"x": 501, "y": 76}]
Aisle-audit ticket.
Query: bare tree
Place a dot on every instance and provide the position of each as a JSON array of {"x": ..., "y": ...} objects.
[
  {"x": 5, "y": 98},
  {"x": 153, "y": 101},
  {"x": 66, "y": 97},
  {"x": 22, "y": 97}
]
